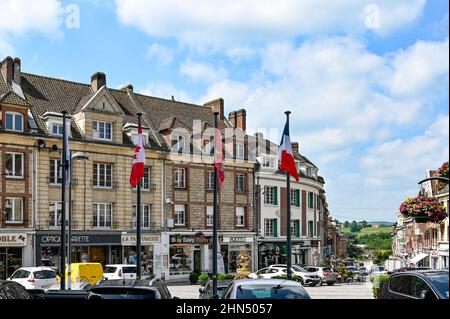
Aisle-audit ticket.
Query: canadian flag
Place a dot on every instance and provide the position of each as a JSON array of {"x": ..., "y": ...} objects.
[
  {"x": 218, "y": 158},
  {"x": 137, "y": 169}
]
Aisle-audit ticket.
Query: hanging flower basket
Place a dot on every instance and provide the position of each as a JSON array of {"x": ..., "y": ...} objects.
[
  {"x": 424, "y": 209},
  {"x": 443, "y": 170}
]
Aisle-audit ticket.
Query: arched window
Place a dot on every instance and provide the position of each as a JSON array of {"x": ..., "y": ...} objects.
[{"x": 14, "y": 121}]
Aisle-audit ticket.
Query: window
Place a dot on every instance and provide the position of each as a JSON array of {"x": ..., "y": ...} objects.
[
  {"x": 295, "y": 197},
  {"x": 318, "y": 203},
  {"x": 240, "y": 183},
  {"x": 210, "y": 182},
  {"x": 101, "y": 130},
  {"x": 102, "y": 216},
  {"x": 178, "y": 143},
  {"x": 318, "y": 229},
  {"x": 271, "y": 195},
  {"x": 14, "y": 121},
  {"x": 209, "y": 216},
  {"x": 144, "y": 138},
  {"x": 268, "y": 162},
  {"x": 239, "y": 150},
  {"x": 102, "y": 175},
  {"x": 270, "y": 227},
  {"x": 14, "y": 210},
  {"x": 145, "y": 216},
  {"x": 240, "y": 216},
  {"x": 55, "y": 171},
  {"x": 401, "y": 285},
  {"x": 209, "y": 146},
  {"x": 311, "y": 228},
  {"x": 57, "y": 129},
  {"x": 295, "y": 227},
  {"x": 14, "y": 165},
  {"x": 180, "y": 214},
  {"x": 55, "y": 214},
  {"x": 180, "y": 177},
  {"x": 145, "y": 181},
  {"x": 310, "y": 199}
]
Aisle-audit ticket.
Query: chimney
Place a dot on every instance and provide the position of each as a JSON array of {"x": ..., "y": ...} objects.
[
  {"x": 126, "y": 87},
  {"x": 7, "y": 69},
  {"x": 16, "y": 71},
  {"x": 97, "y": 81},
  {"x": 241, "y": 119},
  {"x": 233, "y": 118},
  {"x": 216, "y": 105},
  {"x": 294, "y": 146}
]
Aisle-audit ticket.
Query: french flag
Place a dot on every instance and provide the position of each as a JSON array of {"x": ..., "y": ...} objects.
[{"x": 285, "y": 154}]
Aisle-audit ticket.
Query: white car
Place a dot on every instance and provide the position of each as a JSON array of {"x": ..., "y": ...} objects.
[
  {"x": 281, "y": 270},
  {"x": 39, "y": 278},
  {"x": 377, "y": 271},
  {"x": 119, "y": 271}
]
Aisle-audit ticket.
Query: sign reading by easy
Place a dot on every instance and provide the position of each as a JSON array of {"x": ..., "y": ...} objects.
[{"x": 13, "y": 240}]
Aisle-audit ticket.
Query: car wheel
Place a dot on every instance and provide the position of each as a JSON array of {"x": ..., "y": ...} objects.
[
  {"x": 331, "y": 283},
  {"x": 301, "y": 281},
  {"x": 321, "y": 282},
  {"x": 313, "y": 284}
]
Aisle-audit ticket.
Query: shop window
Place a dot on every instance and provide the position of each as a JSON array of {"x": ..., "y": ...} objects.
[
  {"x": 102, "y": 175},
  {"x": 209, "y": 216},
  {"x": 180, "y": 177},
  {"x": 102, "y": 130},
  {"x": 102, "y": 215},
  {"x": 145, "y": 216},
  {"x": 240, "y": 216},
  {"x": 10, "y": 261},
  {"x": 14, "y": 165},
  {"x": 180, "y": 215},
  {"x": 240, "y": 183},
  {"x": 55, "y": 171},
  {"x": 271, "y": 195},
  {"x": 180, "y": 259},
  {"x": 14, "y": 210},
  {"x": 14, "y": 121}
]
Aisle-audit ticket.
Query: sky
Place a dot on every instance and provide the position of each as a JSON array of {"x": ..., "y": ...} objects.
[{"x": 366, "y": 81}]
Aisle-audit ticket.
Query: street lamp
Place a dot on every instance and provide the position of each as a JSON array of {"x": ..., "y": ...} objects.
[{"x": 77, "y": 156}]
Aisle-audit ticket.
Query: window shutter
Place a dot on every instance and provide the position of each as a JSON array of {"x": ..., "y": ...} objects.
[
  {"x": 297, "y": 198},
  {"x": 297, "y": 228},
  {"x": 275, "y": 195},
  {"x": 275, "y": 227}
]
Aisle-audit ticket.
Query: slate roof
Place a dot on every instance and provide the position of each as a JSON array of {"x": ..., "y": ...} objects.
[{"x": 12, "y": 98}]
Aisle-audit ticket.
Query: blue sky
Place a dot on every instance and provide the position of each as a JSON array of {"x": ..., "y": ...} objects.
[{"x": 367, "y": 81}]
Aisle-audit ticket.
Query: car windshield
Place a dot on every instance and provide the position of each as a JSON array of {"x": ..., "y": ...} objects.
[
  {"x": 380, "y": 268},
  {"x": 122, "y": 293},
  {"x": 327, "y": 270},
  {"x": 129, "y": 270},
  {"x": 440, "y": 283},
  {"x": 110, "y": 270},
  {"x": 20, "y": 274},
  {"x": 298, "y": 268},
  {"x": 270, "y": 292}
]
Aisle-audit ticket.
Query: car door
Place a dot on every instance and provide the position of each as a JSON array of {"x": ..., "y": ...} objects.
[
  {"x": 400, "y": 287},
  {"x": 419, "y": 287},
  {"x": 273, "y": 272},
  {"x": 10, "y": 292},
  {"x": 21, "y": 276}
]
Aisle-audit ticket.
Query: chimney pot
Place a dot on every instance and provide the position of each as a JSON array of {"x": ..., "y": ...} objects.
[
  {"x": 97, "y": 81},
  {"x": 7, "y": 69},
  {"x": 294, "y": 146},
  {"x": 216, "y": 105},
  {"x": 241, "y": 119},
  {"x": 127, "y": 87}
]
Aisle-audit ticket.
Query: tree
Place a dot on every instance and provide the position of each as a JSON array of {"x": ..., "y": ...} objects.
[{"x": 346, "y": 224}]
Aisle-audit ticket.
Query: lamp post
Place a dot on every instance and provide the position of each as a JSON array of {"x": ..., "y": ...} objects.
[{"x": 78, "y": 156}]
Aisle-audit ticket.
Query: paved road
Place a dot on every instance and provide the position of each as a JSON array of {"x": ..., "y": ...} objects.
[{"x": 341, "y": 291}]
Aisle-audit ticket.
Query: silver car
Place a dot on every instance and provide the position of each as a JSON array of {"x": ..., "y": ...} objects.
[{"x": 265, "y": 289}]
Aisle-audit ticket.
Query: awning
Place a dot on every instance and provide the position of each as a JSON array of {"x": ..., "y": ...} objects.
[{"x": 418, "y": 258}]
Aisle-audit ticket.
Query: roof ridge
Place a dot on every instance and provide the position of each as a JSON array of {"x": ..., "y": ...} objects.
[
  {"x": 57, "y": 79},
  {"x": 174, "y": 101}
]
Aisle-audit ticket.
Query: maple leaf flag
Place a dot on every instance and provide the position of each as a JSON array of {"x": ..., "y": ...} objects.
[{"x": 137, "y": 169}]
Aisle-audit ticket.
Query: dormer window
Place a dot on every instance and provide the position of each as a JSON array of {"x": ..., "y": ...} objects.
[
  {"x": 178, "y": 143},
  {"x": 239, "y": 150},
  {"x": 54, "y": 122},
  {"x": 57, "y": 129},
  {"x": 268, "y": 162},
  {"x": 14, "y": 121},
  {"x": 102, "y": 130}
]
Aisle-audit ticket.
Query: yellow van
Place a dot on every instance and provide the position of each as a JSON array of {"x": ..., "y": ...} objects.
[{"x": 91, "y": 272}]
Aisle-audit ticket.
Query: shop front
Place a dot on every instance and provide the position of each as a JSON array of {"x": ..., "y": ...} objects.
[
  {"x": 271, "y": 253},
  {"x": 443, "y": 255},
  {"x": 234, "y": 249},
  {"x": 12, "y": 252},
  {"x": 104, "y": 248}
]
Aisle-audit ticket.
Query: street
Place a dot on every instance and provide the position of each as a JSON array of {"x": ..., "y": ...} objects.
[{"x": 338, "y": 291}]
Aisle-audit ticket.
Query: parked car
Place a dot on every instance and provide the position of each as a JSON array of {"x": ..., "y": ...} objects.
[
  {"x": 418, "y": 284},
  {"x": 130, "y": 289},
  {"x": 265, "y": 289},
  {"x": 280, "y": 270},
  {"x": 326, "y": 274},
  {"x": 13, "y": 290},
  {"x": 119, "y": 271},
  {"x": 206, "y": 292},
  {"x": 403, "y": 269},
  {"x": 363, "y": 271},
  {"x": 34, "y": 277},
  {"x": 377, "y": 271}
]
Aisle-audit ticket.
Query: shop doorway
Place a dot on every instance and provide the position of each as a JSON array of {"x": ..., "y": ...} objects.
[
  {"x": 197, "y": 261},
  {"x": 97, "y": 254},
  {"x": 10, "y": 261}
]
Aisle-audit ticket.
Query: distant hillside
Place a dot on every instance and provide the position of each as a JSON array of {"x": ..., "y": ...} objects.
[{"x": 382, "y": 223}]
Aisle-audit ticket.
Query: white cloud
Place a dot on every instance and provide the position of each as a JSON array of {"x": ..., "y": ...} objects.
[
  {"x": 161, "y": 53},
  {"x": 221, "y": 23},
  {"x": 202, "y": 71}
]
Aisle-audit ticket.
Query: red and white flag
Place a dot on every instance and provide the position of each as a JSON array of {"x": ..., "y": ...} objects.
[
  {"x": 137, "y": 170},
  {"x": 286, "y": 155},
  {"x": 218, "y": 158}
]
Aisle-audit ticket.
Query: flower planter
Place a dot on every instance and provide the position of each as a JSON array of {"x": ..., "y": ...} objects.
[{"x": 422, "y": 219}]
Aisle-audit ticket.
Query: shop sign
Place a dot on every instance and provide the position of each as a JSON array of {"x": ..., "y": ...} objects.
[
  {"x": 130, "y": 240},
  {"x": 13, "y": 240},
  {"x": 78, "y": 239},
  {"x": 181, "y": 239},
  {"x": 227, "y": 239}
]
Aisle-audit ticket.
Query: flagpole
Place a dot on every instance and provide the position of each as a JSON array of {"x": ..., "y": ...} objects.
[
  {"x": 214, "y": 265},
  {"x": 288, "y": 217},
  {"x": 64, "y": 167},
  {"x": 138, "y": 220}
]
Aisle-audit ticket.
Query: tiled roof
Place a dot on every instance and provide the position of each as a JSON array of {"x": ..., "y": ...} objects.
[{"x": 12, "y": 98}]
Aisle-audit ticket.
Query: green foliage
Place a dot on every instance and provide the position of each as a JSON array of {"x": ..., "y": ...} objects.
[
  {"x": 381, "y": 256},
  {"x": 378, "y": 282},
  {"x": 224, "y": 276},
  {"x": 376, "y": 241},
  {"x": 193, "y": 277},
  {"x": 203, "y": 277}
]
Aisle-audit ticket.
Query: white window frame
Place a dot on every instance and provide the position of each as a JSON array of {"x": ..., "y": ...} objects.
[
  {"x": 13, "y": 208},
  {"x": 208, "y": 149},
  {"x": 134, "y": 137},
  {"x": 60, "y": 129},
  {"x": 180, "y": 183},
  {"x": 268, "y": 162},
  {"x": 146, "y": 180},
  {"x": 98, "y": 211},
  {"x": 14, "y": 165},
  {"x": 294, "y": 199},
  {"x": 14, "y": 114},
  {"x": 240, "y": 217},
  {"x": 97, "y": 181},
  {"x": 96, "y": 132},
  {"x": 209, "y": 216},
  {"x": 210, "y": 181},
  {"x": 179, "y": 209},
  {"x": 238, "y": 180},
  {"x": 55, "y": 166},
  {"x": 240, "y": 150},
  {"x": 55, "y": 210},
  {"x": 146, "y": 210},
  {"x": 180, "y": 144},
  {"x": 269, "y": 195},
  {"x": 268, "y": 227}
]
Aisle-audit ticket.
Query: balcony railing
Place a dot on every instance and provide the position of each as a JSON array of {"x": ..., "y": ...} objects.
[
  {"x": 51, "y": 224},
  {"x": 112, "y": 225},
  {"x": 148, "y": 226},
  {"x": 114, "y": 185}
]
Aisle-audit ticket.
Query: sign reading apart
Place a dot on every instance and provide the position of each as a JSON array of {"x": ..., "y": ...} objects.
[
  {"x": 130, "y": 240},
  {"x": 13, "y": 240}
]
